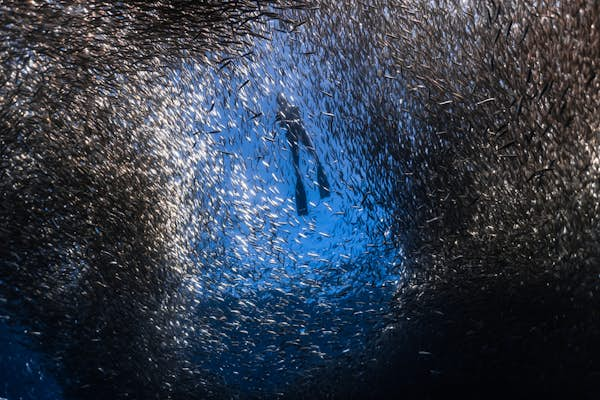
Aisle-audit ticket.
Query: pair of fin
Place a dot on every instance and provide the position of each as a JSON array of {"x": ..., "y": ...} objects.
[{"x": 301, "y": 202}]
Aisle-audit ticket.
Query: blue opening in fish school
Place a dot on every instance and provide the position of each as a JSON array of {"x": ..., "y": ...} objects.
[{"x": 312, "y": 285}]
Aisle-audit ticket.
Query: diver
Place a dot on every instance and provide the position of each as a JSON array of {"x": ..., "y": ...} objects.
[{"x": 289, "y": 119}]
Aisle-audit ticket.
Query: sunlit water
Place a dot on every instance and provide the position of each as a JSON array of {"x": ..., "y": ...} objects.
[
  {"x": 281, "y": 293},
  {"x": 290, "y": 290}
]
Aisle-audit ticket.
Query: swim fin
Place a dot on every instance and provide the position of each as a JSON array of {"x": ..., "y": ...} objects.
[
  {"x": 301, "y": 203},
  {"x": 323, "y": 182}
]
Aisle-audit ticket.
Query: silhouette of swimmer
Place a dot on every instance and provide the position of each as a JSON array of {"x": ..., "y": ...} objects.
[{"x": 289, "y": 119}]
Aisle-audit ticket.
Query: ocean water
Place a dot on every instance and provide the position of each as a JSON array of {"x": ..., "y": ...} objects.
[
  {"x": 24, "y": 373},
  {"x": 280, "y": 293},
  {"x": 156, "y": 246},
  {"x": 276, "y": 295}
]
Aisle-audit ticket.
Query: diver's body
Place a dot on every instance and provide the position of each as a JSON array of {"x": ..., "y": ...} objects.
[{"x": 289, "y": 119}]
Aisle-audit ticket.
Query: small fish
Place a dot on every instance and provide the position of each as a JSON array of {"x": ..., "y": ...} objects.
[
  {"x": 224, "y": 65},
  {"x": 485, "y": 101},
  {"x": 244, "y": 84},
  {"x": 524, "y": 34}
]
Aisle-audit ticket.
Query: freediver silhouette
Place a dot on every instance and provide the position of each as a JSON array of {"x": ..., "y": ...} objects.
[{"x": 289, "y": 119}]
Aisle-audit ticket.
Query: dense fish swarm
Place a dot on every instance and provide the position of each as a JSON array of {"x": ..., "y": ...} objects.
[
  {"x": 483, "y": 122},
  {"x": 150, "y": 244}
]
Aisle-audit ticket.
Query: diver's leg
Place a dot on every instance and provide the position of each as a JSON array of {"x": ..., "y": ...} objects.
[
  {"x": 322, "y": 181},
  {"x": 301, "y": 202},
  {"x": 307, "y": 142},
  {"x": 296, "y": 158},
  {"x": 293, "y": 142},
  {"x": 321, "y": 177}
]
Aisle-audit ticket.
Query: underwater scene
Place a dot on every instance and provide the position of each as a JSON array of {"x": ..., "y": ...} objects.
[{"x": 294, "y": 199}]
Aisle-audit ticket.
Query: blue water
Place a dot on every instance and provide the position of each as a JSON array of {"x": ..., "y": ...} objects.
[
  {"x": 23, "y": 371},
  {"x": 291, "y": 292}
]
